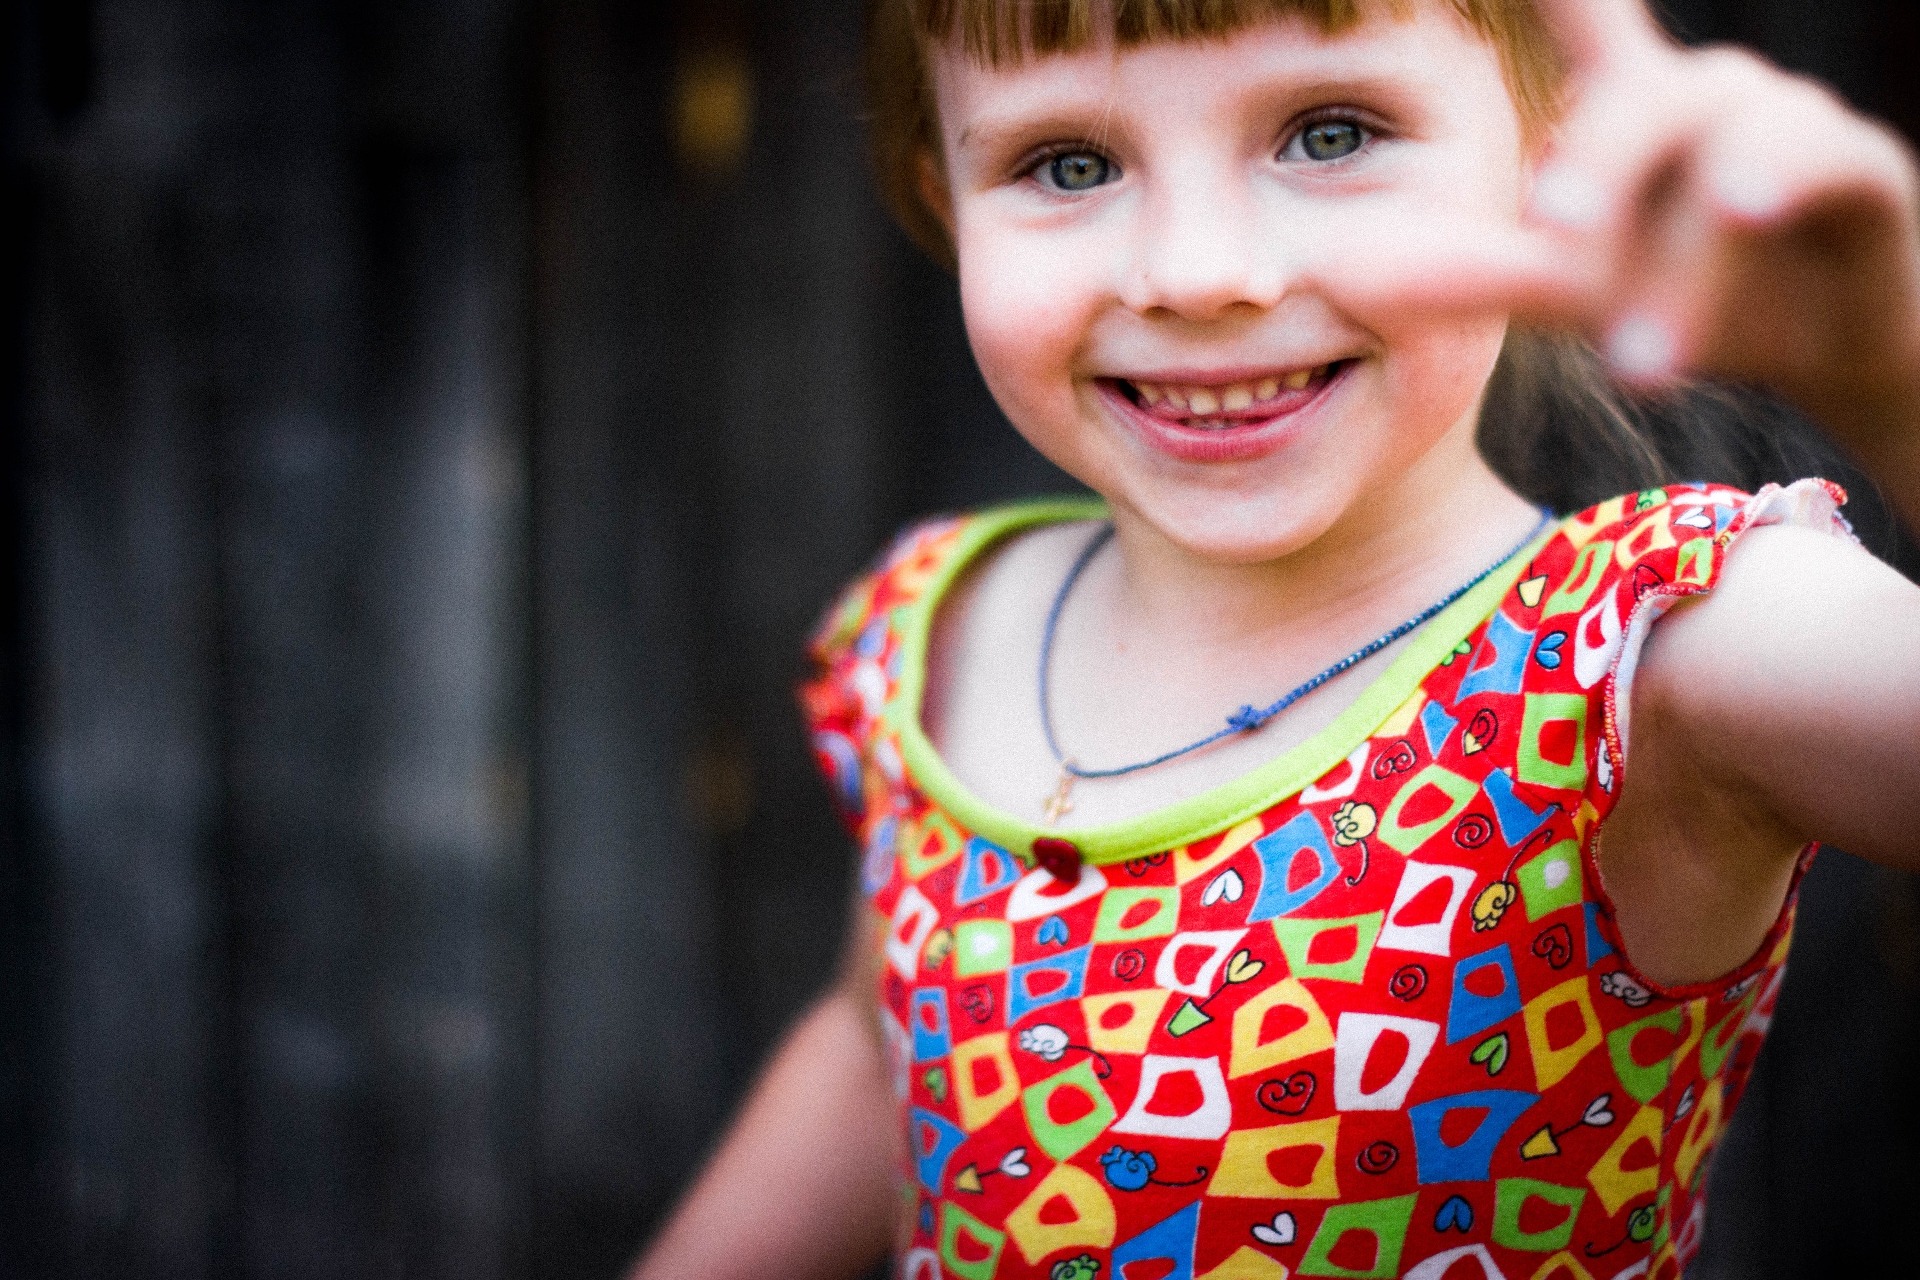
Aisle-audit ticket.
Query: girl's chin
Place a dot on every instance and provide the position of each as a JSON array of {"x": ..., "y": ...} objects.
[{"x": 1233, "y": 527}]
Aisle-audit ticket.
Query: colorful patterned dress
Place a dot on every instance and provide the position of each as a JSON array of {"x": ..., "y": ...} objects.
[{"x": 1363, "y": 1012}]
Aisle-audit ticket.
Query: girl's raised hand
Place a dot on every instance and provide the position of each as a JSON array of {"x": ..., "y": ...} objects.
[{"x": 1729, "y": 219}]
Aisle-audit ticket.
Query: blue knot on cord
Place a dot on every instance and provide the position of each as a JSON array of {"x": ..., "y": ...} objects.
[{"x": 1247, "y": 719}]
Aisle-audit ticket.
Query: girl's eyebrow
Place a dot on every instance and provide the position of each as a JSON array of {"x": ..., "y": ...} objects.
[
  {"x": 1043, "y": 116},
  {"x": 1397, "y": 95},
  {"x": 1076, "y": 104},
  {"x": 1385, "y": 88},
  {"x": 1001, "y": 132}
]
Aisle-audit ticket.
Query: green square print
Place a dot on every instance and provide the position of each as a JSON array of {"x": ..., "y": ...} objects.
[
  {"x": 982, "y": 946},
  {"x": 1552, "y": 880}
]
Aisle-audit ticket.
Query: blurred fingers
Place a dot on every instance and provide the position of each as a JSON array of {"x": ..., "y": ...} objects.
[
  {"x": 1596, "y": 34},
  {"x": 1464, "y": 269},
  {"x": 1626, "y": 133},
  {"x": 1785, "y": 238},
  {"x": 1799, "y": 151}
]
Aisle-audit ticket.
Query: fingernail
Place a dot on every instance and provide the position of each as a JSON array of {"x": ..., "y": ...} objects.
[
  {"x": 1641, "y": 347},
  {"x": 1568, "y": 196},
  {"x": 1748, "y": 191}
]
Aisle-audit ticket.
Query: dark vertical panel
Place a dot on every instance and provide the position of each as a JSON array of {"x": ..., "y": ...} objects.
[
  {"x": 630, "y": 1028},
  {"x": 789, "y": 401},
  {"x": 296, "y": 462},
  {"x": 124, "y": 762},
  {"x": 445, "y": 778},
  {"x": 450, "y": 997},
  {"x": 276, "y": 490},
  {"x": 23, "y": 976},
  {"x": 371, "y": 482}
]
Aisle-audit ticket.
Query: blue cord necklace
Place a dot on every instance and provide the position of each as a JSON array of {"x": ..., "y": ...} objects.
[{"x": 1247, "y": 718}]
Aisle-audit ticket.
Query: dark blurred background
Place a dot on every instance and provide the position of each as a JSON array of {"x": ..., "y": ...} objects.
[{"x": 430, "y": 428}]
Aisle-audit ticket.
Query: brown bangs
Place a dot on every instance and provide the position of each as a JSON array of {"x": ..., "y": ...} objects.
[{"x": 1002, "y": 32}]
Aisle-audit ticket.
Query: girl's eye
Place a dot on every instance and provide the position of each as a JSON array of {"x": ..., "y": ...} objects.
[
  {"x": 1078, "y": 171},
  {"x": 1331, "y": 140}
]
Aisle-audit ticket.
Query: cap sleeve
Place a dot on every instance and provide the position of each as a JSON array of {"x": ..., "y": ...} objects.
[
  {"x": 1675, "y": 548},
  {"x": 854, "y": 661},
  {"x": 1636, "y": 558}
]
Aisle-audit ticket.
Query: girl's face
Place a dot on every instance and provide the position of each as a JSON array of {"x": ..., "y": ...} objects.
[{"x": 1143, "y": 234}]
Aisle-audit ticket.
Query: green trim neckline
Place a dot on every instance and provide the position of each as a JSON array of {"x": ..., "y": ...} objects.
[{"x": 1213, "y": 810}]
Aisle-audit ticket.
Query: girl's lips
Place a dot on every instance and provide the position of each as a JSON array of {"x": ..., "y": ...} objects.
[{"x": 1242, "y": 437}]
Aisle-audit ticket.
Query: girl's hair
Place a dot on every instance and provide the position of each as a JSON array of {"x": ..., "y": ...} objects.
[
  {"x": 1555, "y": 426},
  {"x": 1565, "y": 434}
]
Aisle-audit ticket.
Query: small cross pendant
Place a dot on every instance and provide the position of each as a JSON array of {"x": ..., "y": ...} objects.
[{"x": 1060, "y": 803}]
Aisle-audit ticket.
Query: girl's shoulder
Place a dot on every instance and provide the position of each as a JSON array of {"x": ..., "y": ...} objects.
[
  {"x": 871, "y": 654},
  {"x": 923, "y": 561},
  {"x": 1623, "y": 564},
  {"x": 1633, "y": 522},
  {"x": 1658, "y": 546}
]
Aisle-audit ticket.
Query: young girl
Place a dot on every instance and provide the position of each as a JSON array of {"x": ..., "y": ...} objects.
[{"x": 1312, "y": 858}]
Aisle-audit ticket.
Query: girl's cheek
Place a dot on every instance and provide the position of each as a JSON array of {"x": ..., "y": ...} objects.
[
  {"x": 1027, "y": 315},
  {"x": 1439, "y": 373},
  {"x": 1028, "y": 386}
]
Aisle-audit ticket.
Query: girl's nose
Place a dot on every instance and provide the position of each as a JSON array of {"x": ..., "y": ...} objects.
[{"x": 1199, "y": 254}]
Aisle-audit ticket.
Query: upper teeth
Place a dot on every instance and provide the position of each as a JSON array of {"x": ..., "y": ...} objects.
[{"x": 1204, "y": 400}]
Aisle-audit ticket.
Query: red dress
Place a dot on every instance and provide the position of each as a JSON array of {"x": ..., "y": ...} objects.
[{"x": 1361, "y": 1013}]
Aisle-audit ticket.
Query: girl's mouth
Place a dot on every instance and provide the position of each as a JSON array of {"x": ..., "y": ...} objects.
[
  {"x": 1220, "y": 407},
  {"x": 1225, "y": 421}
]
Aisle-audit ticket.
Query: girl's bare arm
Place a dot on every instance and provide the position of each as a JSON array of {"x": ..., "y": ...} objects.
[
  {"x": 1732, "y": 220},
  {"x": 1705, "y": 213},
  {"x": 802, "y": 1185}
]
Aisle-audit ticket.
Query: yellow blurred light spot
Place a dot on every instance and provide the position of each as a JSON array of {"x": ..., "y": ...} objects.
[{"x": 713, "y": 107}]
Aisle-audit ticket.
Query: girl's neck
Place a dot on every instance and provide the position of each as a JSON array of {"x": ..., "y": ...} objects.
[{"x": 1445, "y": 519}]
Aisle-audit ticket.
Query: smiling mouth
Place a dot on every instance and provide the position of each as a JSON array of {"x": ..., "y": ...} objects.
[{"x": 1223, "y": 406}]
